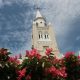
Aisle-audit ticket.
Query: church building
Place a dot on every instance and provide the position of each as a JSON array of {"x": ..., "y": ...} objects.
[{"x": 43, "y": 35}]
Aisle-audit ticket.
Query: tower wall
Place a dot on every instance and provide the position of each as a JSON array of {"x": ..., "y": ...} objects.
[{"x": 43, "y": 36}]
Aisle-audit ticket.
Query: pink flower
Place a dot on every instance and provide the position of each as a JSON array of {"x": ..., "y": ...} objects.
[
  {"x": 57, "y": 72},
  {"x": 52, "y": 70},
  {"x": 38, "y": 56},
  {"x": 22, "y": 73},
  {"x": 32, "y": 53},
  {"x": 11, "y": 59},
  {"x": 68, "y": 54},
  {"x": 14, "y": 60},
  {"x": 62, "y": 72},
  {"x": 48, "y": 51}
]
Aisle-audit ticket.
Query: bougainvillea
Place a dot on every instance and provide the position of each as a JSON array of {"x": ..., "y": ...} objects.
[
  {"x": 8, "y": 66},
  {"x": 37, "y": 67},
  {"x": 72, "y": 64},
  {"x": 42, "y": 67}
]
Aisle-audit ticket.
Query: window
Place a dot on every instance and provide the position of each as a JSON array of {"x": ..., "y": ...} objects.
[
  {"x": 46, "y": 35},
  {"x": 40, "y": 35}
]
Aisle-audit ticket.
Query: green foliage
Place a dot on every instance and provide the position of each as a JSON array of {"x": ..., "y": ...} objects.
[
  {"x": 37, "y": 67},
  {"x": 72, "y": 64},
  {"x": 7, "y": 70}
]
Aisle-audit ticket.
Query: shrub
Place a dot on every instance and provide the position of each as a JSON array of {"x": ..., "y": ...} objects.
[
  {"x": 8, "y": 66},
  {"x": 72, "y": 63},
  {"x": 37, "y": 67}
]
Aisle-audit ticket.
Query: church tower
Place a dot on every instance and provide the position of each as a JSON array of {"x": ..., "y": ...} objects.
[{"x": 42, "y": 35}]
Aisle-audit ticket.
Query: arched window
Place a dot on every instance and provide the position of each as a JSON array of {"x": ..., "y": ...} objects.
[
  {"x": 40, "y": 35},
  {"x": 46, "y": 35}
]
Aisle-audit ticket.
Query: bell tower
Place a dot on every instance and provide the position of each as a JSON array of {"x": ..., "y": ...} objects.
[{"x": 42, "y": 35}]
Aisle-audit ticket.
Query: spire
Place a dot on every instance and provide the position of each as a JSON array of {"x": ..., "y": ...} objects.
[{"x": 38, "y": 14}]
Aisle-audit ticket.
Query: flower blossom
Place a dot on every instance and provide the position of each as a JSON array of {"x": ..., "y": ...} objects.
[
  {"x": 62, "y": 72},
  {"x": 33, "y": 53},
  {"x": 22, "y": 73},
  {"x": 14, "y": 60},
  {"x": 68, "y": 54},
  {"x": 57, "y": 72},
  {"x": 48, "y": 51}
]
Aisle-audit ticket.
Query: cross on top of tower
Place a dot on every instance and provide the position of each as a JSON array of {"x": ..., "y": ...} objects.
[{"x": 38, "y": 8}]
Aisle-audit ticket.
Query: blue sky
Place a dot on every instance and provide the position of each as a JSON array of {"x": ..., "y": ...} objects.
[{"x": 16, "y": 18}]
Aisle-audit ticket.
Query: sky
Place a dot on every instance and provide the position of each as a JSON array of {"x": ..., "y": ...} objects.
[{"x": 16, "y": 17}]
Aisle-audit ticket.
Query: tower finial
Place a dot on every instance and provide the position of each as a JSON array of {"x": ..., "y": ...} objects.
[
  {"x": 38, "y": 14},
  {"x": 37, "y": 7}
]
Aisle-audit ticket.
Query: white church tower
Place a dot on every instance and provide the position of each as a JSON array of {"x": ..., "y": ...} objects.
[{"x": 43, "y": 35}]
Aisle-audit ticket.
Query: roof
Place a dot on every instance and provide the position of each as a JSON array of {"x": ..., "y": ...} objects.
[{"x": 38, "y": 14}]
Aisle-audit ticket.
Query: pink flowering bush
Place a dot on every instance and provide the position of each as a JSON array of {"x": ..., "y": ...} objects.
[
  {"x": 72, "y": 64},
  {"x": 42, "y": 67},
  {"x": 8, "y": 66},
  {"x": 37, "y": 67}
]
